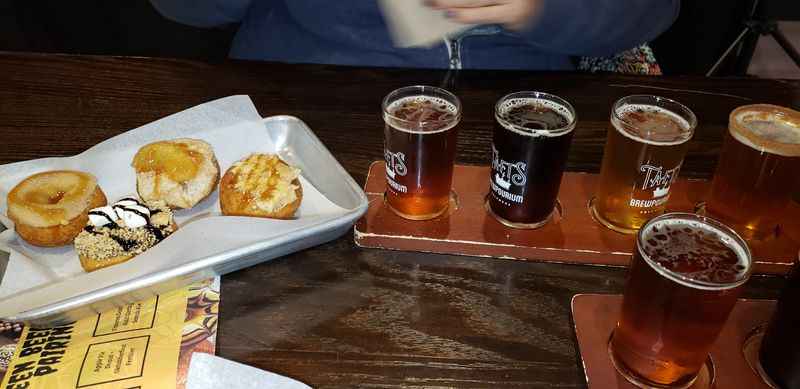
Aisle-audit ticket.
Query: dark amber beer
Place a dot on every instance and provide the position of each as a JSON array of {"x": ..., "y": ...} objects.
[
  {"x": 685, "y": 276},
  {"x": 758, "y": 170},
  {"x": 643, "y": 154},
  {"x": 532, "y": 134},
  {"x": 780, "y": 348},
  {"x": 419, "y": 148}
]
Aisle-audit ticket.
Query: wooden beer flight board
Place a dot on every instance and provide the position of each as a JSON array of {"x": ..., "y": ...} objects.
[
  {"x": 571, "y": 237},
  {"x": 596, "y": 315}
]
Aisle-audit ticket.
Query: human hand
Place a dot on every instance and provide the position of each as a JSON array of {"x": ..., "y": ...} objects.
[{"x": 512, "y": 14}]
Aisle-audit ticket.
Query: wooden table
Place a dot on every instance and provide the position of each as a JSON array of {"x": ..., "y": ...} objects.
[{"x": 337, "y": 315}]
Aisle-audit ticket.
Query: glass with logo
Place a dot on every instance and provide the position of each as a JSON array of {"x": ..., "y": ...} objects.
[
  {"x": 644, "y": 151},
  {"x": 420, "y": 147},
  {"x": 685, "y": 277},
  {"x": 530, "y": 145}
]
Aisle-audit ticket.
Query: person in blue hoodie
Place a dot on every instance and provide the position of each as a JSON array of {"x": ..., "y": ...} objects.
[{"x": 510, "y": 34}]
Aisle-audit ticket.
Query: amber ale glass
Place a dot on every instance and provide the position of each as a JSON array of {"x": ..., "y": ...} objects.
[
  {"x": 684, "y": 279},
  {"x": 532, "y": 134},
  {"x": 780, "y": 348},
  {"x": 420, "y": 148},
  {"x": 758, "y": 170},
  {"x": 643, "y": 154}
]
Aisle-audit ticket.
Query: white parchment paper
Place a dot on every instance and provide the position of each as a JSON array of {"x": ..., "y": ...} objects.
[
  {"x": 212, "y": 372},
  {"x": 234, "y": 129}
]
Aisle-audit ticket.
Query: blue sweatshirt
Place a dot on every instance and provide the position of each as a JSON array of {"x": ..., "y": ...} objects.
[{"x": 326, "y": 31}]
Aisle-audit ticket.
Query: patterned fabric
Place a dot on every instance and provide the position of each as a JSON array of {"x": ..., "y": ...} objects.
[{"x": 638, "y": 60}]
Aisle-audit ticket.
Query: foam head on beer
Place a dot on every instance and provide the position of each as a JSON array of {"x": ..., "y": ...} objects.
[
  {"x": 654, "y": 125},
  {"x": 535, "y": 117},
  {"x": 766, "y": 129},
  {"x": 696, "y": 251},
  {"x": 422, "y": 113}
]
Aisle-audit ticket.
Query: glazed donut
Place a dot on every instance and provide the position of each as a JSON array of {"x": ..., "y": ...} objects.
[
  {"x": 50, "y": 208},
  {"x": 261, "y": 185},
  {"x": 180, "y": 172}
]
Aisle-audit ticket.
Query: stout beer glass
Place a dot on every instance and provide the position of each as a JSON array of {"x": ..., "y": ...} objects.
[
  {"x": 532, "y": 134},
  {"x": 420, "y": 147},
  {"x": 686, "y": 274},
  {"x": 780, "y": 347},
  {"x": 758, "y": 169},
  {"x": 643, "y": 154}
]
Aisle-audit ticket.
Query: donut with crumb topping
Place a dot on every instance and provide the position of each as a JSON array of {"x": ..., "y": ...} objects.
[{"x": 118, "y": 232}]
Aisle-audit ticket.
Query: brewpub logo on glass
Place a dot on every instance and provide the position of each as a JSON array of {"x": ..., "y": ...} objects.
[
  {"x": 656, "y": 182},
  {"x": 395, "y": 166},
  {"x": 508, "y": 179}
]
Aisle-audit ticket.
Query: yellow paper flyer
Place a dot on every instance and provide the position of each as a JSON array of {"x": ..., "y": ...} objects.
[
  {"x": 198, "y": 334},
  {"x": 133, "y": 346}
]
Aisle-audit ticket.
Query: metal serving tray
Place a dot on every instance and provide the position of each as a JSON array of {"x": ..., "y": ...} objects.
[{"x": 296, "y": 144}]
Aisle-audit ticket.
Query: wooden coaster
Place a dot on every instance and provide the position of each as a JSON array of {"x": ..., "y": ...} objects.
[
  {"x": 595, "y": 316},
  {"x": 571, "y": 237}
]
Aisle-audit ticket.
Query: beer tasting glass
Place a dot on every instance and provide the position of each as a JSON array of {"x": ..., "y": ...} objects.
[
  {"x": 780, "y": 348},
  {"x": 684, "y": 279},
  {"x": 758, "y": 169},
  {"x": 532, "y": 135},
  {"x": 420, "y": 148},
  {"x": 643, "y": 154}
]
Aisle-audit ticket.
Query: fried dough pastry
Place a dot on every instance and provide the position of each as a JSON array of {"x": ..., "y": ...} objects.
[
  {"x": 49, "y": 209},
  {"x": 261, "y": 185},
  {"x": 181, "y": 172}
]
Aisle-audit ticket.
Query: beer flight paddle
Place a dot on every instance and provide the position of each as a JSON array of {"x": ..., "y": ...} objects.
[
  {"x": 524, "y": 206},
  {"x": 572, "y": 236}
]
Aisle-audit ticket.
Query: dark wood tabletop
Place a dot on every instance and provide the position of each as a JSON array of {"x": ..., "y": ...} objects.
[{"x": 340, "y": 316}]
